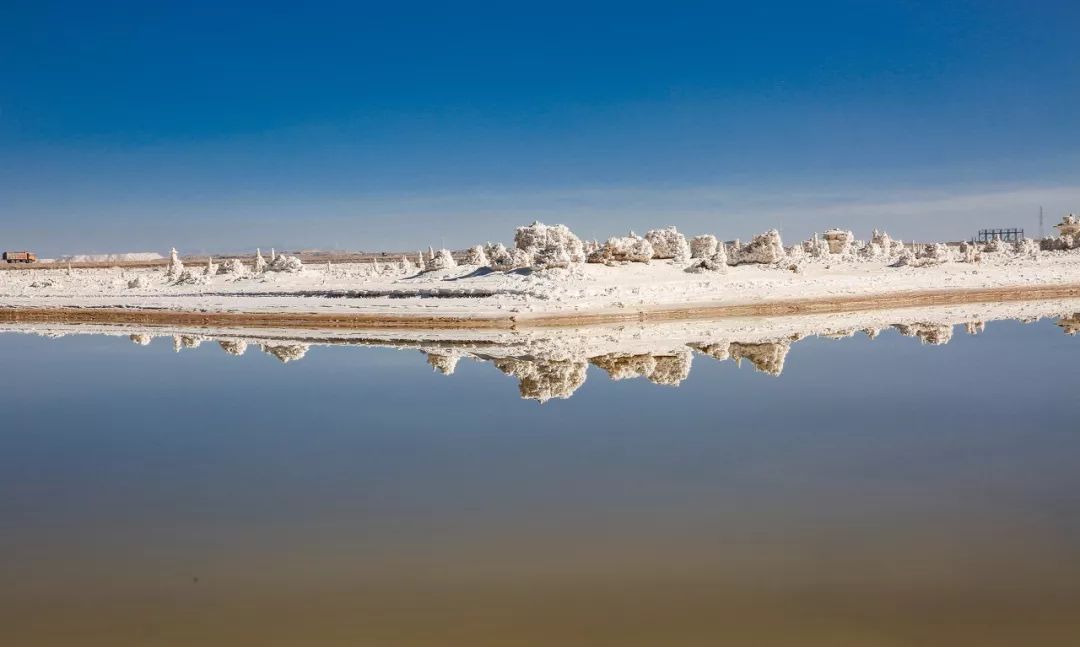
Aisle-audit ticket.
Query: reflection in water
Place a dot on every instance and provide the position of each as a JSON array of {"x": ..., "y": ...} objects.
[
  {"x": 553, "y": 363},
  {"x": 878, "y": 494},
  {"x": 1070, "y": 324}
]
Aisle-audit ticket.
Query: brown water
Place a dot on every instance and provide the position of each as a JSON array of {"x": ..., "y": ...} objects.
[{"x": 876, "y": 493}]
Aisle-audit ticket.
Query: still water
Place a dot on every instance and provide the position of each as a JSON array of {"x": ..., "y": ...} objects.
[{"x": 872, "y": 492}]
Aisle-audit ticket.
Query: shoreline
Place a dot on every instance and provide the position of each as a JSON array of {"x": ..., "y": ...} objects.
[{"x": 659, "y": 313}]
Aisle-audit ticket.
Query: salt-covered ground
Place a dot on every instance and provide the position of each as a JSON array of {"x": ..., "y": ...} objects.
[{"x": 540, "y": 282}]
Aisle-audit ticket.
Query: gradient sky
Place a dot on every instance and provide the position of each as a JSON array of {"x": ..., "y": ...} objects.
[{"x": 219, "y": 126}]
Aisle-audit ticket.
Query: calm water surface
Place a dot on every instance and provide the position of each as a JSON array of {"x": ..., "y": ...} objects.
[{"x": 876, "y": 493}]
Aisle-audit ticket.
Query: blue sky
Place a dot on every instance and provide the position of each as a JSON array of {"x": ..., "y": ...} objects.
[{"x": 226, "y": 125}]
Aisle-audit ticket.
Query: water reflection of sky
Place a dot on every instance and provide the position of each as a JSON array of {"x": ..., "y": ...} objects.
[{"x": 878, "y": 470}]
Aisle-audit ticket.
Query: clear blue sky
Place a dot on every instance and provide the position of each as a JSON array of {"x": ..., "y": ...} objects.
[{"x": 225, "y": 125}]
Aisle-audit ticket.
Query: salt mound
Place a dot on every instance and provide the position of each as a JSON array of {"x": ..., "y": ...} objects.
[
  {"x": 994, "y": 246},
  {"x": 549, "y": 246},
  {"x": 703, "y": 246},
  {"x": 766, "y": 248},
  {"x": 934, "y": 254},
  {"x": 141, "y": 339},
  {"x": 969, "y": 253},
  {"x": 626, "y": 249},
  {"x": 232, "y": 266},
  {"x": 816, "y": 247},
  {"x": 668, "y": 243},
  {"x": 1026, "y": 247},
  {"x": 714, "y": 263},
  {"x": 176, "y": 268},
  {"x": 442, "y": 260},
  {"x": 260, "y": 263},
  {"x": 887, "y": 245},
  {"x": 139, "y": 282},
  {"x": 502, "y": 259},
  {"x": 286, "y": 263},
  {"x": 189, "y": 277},
  {"x": 476, "y": 256},
  {"x": 839, "y": 241}
]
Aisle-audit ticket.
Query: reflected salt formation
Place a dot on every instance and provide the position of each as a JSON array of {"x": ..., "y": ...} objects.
[
  {"x": 286, "y": 352},
  {"x": 235, "y": 347},
  {"x": 1071, "y": 324},
  {"x": 553, "y": 363}
]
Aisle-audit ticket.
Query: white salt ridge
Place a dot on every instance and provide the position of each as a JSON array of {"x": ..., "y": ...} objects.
[
  {"x": 544, "y": 275},
  {"x": 109, "y": 258}
]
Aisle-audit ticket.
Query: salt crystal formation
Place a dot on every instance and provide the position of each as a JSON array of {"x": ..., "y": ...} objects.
[
  {"x": 839, "y": 241},
  {"x": 176, "y": 268},
  {"x": 934, "y": 254},
  {"x": 141, "y": 339},
  {"x": 285, "y": 263},
  {"x": 887, "y": 245},
  {"x": 716, "y": 262},
  {"x": 625, "y": 249},
  {"x": 1026, "y": 247},
  {"x": 260, "y": 262},
  {"x": 441, "y": 260},
  {"x": 668, "y": 243},
  {"x": 703, "y": 246},
  {"x": 766, "y": 248},
  {"x": 188, "y": 277},
  {"x": 475, "y": 256},
  {"x": 969, "y": 253},
  {"x": 503, "y": 259},
  {"x": 549, "y": 246},
  {"x": 233, "y": 266},
  {"x": 994, "y": 246},
  {"x": 816, "y": 247},
  {"x": 139, "y": 282}
]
